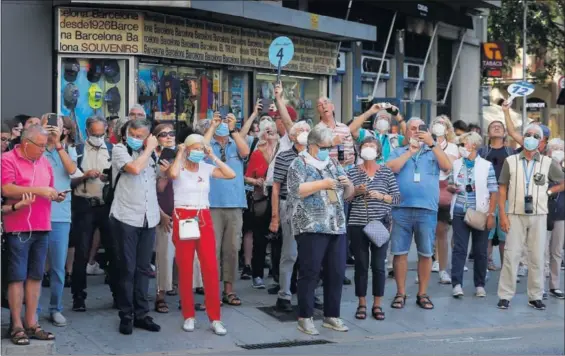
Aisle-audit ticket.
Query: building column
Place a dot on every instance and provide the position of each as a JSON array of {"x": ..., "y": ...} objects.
[
  {"x": 429, "y": 87},
  {"x": 398, "y": 76},
  {"x": 357, "y": 50},
  {"x": 348, "y": 96}
]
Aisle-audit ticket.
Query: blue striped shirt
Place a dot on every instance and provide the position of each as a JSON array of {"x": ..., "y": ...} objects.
[{"x": 464, "y": 200}]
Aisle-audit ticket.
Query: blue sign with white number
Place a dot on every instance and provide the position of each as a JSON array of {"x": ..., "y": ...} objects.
[
  {"x": 520, "y": 89},
  {"x": 281, "y": 51}
]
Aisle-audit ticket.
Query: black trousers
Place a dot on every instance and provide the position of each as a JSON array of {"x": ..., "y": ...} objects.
[
  {"x": 85, "y": 220},
  {"x": 276, "y": 250},
  {"x": 362, "y": 247},
  {"x": 260, "y": 242},
  {"x": 135, "y": 248}
]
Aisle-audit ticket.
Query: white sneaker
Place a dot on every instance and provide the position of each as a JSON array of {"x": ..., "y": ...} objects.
[
  {"x": 465, "y": 269},
  {"x": 522, "y": 271},
  {"x": 306, "y": 325},
  {"x": 258, "y": 283},
  {"x": 435, "y": 267},
  {"x": 189, "y": 324},
  {"x": 444, "y": 277},
  {"x": 94, "y": 269},
  {"x": 218, "y": 328},
  {"x": 480, "y": 292},
  {"x": 457, "y": 291},
  {"x": 334, "y": 324},
  {"x": 58, "y": 319}
]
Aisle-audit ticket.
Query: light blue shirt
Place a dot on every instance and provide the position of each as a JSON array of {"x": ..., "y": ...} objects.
[
  {"x": 228, "y": 193},
  {"x": 425, "y": 193},
  {"x": 61, "y": 212}
]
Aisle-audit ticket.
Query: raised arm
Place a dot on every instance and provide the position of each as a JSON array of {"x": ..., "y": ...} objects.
[
  {"x": 240, "y": 142},
  {"x": 510, "y": 128},
  {"x": 281, "y": 107},
  {"x": 357, "y": 123},
  {"x": 249, "y": 122}
]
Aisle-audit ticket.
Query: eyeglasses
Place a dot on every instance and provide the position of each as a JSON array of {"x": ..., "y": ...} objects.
[
  {"x": 165, "y": 134},
  {"x": 4, "y": 139},
  {"x": 17, "y": 129},
  {"x": 325, "y": 148},
  {"x": 536, "y": 136},
  {"x": 460, "y": 145},
  {"x": 41, "y": 147},
  {"x": 98, "y": 136}
]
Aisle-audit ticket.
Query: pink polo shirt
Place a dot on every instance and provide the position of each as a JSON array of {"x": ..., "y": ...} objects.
[{"x": 18, "y": 170}]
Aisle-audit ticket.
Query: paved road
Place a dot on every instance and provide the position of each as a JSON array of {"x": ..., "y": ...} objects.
[{"x": 467, "y": 326}]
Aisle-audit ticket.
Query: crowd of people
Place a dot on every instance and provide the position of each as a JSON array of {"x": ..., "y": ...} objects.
[{"x": 206, "y": 204}]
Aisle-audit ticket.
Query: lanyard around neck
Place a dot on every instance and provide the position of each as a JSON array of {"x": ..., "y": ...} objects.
[{"x": 528, "y": 174}]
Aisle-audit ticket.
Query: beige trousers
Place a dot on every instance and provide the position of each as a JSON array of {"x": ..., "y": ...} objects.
[
  {"x": 228, "y": 223},
  {"x": 164, "y": 259},
  {"x": 526, "y": 232},
  {"x": 554, "y": 253}
]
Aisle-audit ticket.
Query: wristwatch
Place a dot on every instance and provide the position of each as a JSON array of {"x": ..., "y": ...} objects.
[
  {"x": 432, "y": 146},
  {"x": 234, "y": 130}
]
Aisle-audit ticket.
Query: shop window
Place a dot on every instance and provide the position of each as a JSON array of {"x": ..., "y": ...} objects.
[
  {"x": 93, "y": 87},
  {"x": 301, "y": 92},
  {"x": 235, "y": 94},
  {"x": 368, "y": 85},
  {"x": 166, "y": 90}
]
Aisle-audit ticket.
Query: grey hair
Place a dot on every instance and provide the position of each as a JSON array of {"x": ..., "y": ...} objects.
[
  {"x": 136, "y": 124},
  {"x": 137, "y": 106},
  {"x": 298, "y": 126},
  {"x": 556, "y": 144},
  {"x": 93, "y": 119},
  {"x": 413, "y": 119},
  {"x": 472, "y": 138},
  {"x": 118, "y": 126},
  {"x": 319, "y": 135},
  {"x": 536, "y": 128},
  {"x": 33, "y": 131},
  {"x": 202, "y": 126}
]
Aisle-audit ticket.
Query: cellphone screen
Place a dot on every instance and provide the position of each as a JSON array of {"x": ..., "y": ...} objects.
[
  {"x": 52, "y": 120},
  {"x": 224, "y": 111},
  {"x": 422, "y": 128},
  {"x": 167, "y": 154},
  {"x": 266, "y": 103}
]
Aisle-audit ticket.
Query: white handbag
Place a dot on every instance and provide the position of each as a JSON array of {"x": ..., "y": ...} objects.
[{"x": 189, "y": 229}]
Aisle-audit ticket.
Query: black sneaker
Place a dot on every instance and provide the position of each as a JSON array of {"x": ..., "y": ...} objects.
[
  {"x": 199, "y": 290},
  {"x": 346, "y": 281},
  {"x": 46, "y": 281},
  {"x": 78, "y": 305},
  {"x": 557, "y": 293},
  {"x": 391, "y": 273},
  {"x": 350, "y": 261},
  {"x": 471, "y": 257},
  {"x": 126, "y": 326},
  {"x": 67, "y": 280},
  {"x": 503, "y": 304},
  {"x": 274, "y": 289},
  {"x": 537, "y": 304},
  {"x": 246, "y": 273},
  {"x": 562, "y": 264},
  {"x": 146, "y": 323},
  {"x": 283, "y": 305}
]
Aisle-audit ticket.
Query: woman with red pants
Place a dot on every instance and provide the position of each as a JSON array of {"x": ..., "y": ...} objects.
[{"x": 192, "y": 226}]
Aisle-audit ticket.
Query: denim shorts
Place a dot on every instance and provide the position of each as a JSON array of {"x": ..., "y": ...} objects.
[
  {"x": 408, "y": 222},
  {"x": 26, "y": 255}
]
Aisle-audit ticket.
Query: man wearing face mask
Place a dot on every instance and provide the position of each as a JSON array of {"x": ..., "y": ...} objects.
[
  {"x": 381, "y": 128},
  {"x": 89, "y": 210},
  {"x": 515, "y": 134},
  {"x": 134, "y": 216},
  {"x": 524, "y": 182},
  {"x": 227, "y": 199}
]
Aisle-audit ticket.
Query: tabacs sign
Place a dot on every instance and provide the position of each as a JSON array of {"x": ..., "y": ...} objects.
[{"x": 492, "y": 55}]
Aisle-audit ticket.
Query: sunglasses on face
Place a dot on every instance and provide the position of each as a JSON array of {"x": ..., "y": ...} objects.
[
  {"x": 165, "y": 134},
  {"x": 536, "y": 136}
]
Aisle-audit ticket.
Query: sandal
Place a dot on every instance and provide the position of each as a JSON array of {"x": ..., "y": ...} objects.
[
  {"x": 19, "y": 337},
  {"x": 424, "y": 302},
  {"x": 399, "y": 301},
  {"x": 161, "y": 306},
  {"x": 361, "y": 312},
  {"x": 199, "y": 290},
  {"x": 231, "y": 299},
  {"x": 378, "y": 313},
  {"x": 37, "y": 333},
  {"x": 172, "y": 292}
]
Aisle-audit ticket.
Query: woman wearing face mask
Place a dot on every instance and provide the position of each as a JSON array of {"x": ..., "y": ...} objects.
[
  {"x": 443, "y": 131},
  {"x": 376, "y": 191},
  {"x": 317, "y": 188},
  {"x": 474, "y": 186},
  {"x": 191, "y": 186},
  {"x": 260, "y": 206},
  {"x": 556, "y": 217}
]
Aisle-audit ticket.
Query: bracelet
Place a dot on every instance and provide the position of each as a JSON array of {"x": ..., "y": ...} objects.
[
  {"x": 60, "y": 148},
  {"x": 14, "y": 207}
]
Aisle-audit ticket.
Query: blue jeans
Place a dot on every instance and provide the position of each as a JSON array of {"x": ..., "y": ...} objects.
[
  {"x": 461, "y": 232},
  {"x": 408, "y": 222},
  {"x": 57, "y": 257}
]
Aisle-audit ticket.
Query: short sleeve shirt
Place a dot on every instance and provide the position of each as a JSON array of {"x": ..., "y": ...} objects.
[
  {"x": 61, "y": 212},
  {"x": 228, "y": 193},
  {"x": 342, "y": 131},
  {"x": 191, "y": 189}
]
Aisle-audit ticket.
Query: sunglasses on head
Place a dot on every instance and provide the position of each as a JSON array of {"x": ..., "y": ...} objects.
[
  {"x": 165, "y": 134},
  {"x": 222, "y": 154},
  {"x": 536, "y": 136}
]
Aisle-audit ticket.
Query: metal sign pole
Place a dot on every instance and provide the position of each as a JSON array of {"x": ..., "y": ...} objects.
[
  {"x": 346, "y": 17},
  {"x": 524, "y": 62}
]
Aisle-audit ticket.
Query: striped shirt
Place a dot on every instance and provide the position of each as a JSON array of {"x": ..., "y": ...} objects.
[
  {"x": 466, "y": 176},
  {"x": 342, "y": 131},
  {"x": 282, "y": 162},
  {"x": 384, "y": 182}
]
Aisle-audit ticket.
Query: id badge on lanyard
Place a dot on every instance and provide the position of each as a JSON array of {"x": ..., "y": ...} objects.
[{"x": 416, "y": 170}]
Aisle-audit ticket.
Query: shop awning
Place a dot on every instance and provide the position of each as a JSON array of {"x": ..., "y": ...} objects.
[
  {"x": 256, "y": 14},
  {"x": 494, "y": 113}
]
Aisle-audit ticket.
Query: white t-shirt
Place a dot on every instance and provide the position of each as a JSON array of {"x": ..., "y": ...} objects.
[
  {"x": 191, "y": 189},
  {"x": 450, "y": 150},
  {"x": 285, "y": 144}
]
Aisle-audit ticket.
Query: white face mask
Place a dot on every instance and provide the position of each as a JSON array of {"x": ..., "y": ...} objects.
[
  {"x": 464, "y": 152},
  {"x": 558, "y": 155},
  {"x": 302, "y": 138},
  {"x": 438, "y": 130},
  {"x": 368, "y": 153},
  {"x": 382, "y": 125},
  {"x": 96, "y": 141}
]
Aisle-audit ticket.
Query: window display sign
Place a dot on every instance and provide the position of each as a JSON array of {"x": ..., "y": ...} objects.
[{"x": 146, "y": 33}]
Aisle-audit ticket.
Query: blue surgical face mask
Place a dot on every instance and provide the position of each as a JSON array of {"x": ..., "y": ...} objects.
[
  {"x": 223, "y": 130},
  {"x": 531, "y": 143},
  {"x": 196, "y": 156},
  {"x": 134, "y": 143},
  {"x": 323, "y": 154}
]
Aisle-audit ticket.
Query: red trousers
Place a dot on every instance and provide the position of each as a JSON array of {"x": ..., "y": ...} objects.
[{"x": 184, "y": 256}]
